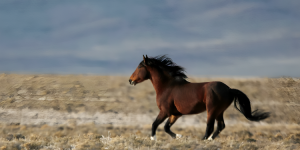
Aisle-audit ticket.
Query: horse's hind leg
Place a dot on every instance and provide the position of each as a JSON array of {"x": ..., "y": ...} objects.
[
  {"x": 209, "y": 127},
  {"x": 172, "y": 119},
  {"x": 221, "y": 126}
]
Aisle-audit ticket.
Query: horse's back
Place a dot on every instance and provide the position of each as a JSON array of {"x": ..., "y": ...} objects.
[
  {"x": 201, "y": 90},
  {"x": 218, "y": 87}
]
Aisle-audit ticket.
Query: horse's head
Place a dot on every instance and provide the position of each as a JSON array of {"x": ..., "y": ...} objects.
[{"x": 141, "y": 73}]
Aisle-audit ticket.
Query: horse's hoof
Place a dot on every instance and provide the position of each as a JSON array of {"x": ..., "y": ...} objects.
[
  {"x": 153, "y": 138},
  {"x": 210, "y": 139},
  {"x": 178, "y": 136}
]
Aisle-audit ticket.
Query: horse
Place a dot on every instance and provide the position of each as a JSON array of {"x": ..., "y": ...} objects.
[{"x": 175, "y": 96}]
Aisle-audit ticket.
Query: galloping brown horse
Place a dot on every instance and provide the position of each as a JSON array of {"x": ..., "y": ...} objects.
[{"x": 176, "y": 97}]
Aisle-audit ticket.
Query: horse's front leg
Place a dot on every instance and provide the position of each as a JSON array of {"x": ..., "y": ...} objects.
[
  {"x": 172, "y": 119},
  {"x": 159, "y": 119}
]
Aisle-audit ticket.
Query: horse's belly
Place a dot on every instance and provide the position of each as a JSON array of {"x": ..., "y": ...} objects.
[{"x": 190, "y": 106}]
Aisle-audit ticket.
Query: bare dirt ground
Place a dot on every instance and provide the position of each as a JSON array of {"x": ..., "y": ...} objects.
[{"x": 105, "y": 112}]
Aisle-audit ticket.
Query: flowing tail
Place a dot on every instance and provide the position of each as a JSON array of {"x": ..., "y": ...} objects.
[{"x": 245, "y": 106}]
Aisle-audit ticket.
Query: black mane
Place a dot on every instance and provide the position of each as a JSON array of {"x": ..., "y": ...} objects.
[{"x": 165, "y": 63}]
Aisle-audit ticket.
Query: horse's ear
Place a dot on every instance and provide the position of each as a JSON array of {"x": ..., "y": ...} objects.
[{"x": 145, "y": 59}]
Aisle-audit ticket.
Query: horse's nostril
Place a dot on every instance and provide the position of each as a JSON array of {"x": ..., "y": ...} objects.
[{"x": 130, "y": 81}]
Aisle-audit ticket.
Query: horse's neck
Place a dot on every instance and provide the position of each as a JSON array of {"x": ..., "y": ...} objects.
[{"x": 159, "y": 81}]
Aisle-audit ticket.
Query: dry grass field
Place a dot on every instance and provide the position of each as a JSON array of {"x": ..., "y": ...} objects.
[{"x": 80, "y": 112}]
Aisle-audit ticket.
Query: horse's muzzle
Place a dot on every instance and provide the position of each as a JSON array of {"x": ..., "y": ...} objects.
[{"x": 132, "y": 82}]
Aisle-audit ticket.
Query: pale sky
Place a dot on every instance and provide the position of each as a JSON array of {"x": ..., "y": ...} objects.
[{"x": 258, "y": 38}]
